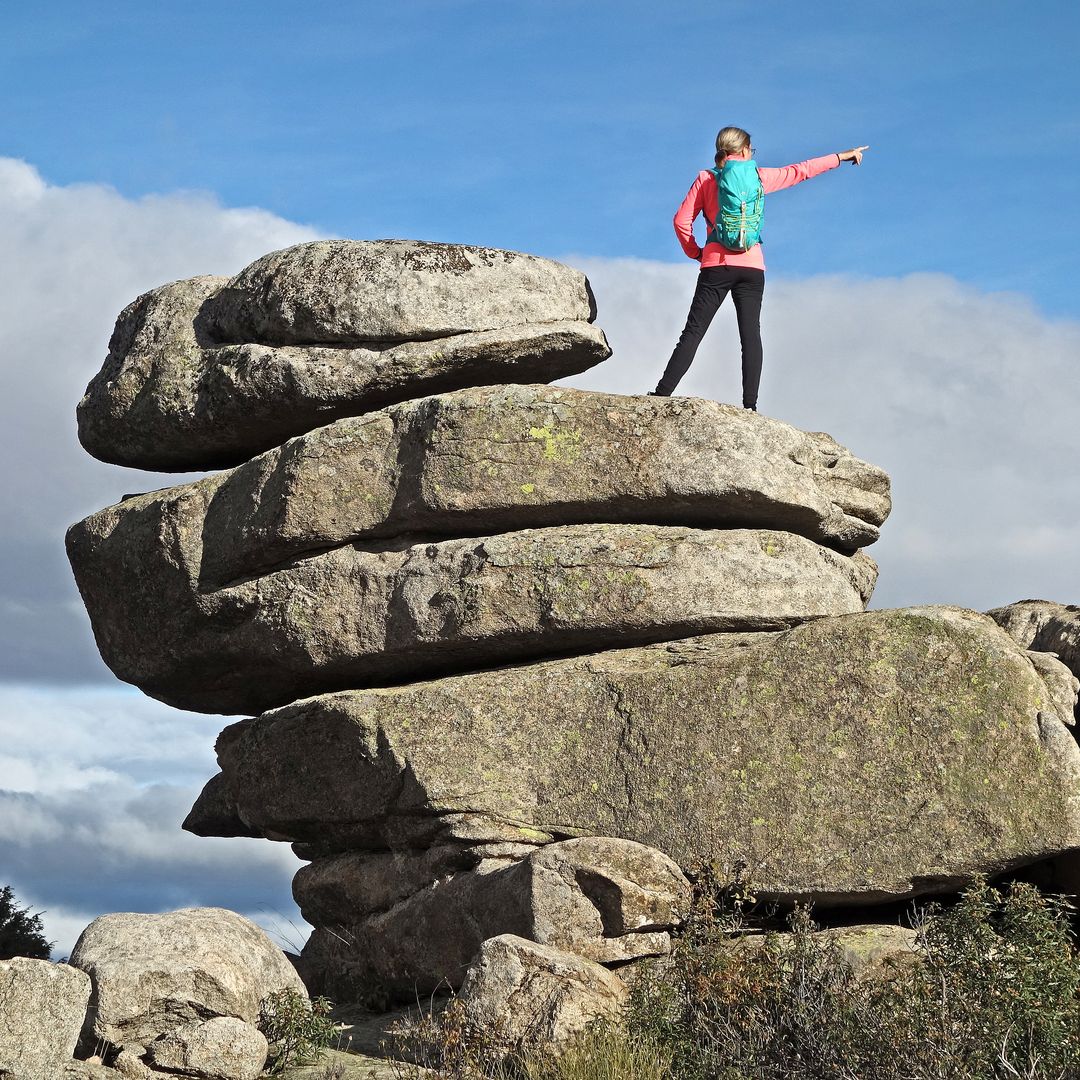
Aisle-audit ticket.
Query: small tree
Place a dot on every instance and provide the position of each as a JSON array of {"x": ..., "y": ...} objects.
[{"x": 20, "y": 932}]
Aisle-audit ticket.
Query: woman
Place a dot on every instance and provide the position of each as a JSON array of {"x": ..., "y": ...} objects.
[{"x": 723, "y": 270}]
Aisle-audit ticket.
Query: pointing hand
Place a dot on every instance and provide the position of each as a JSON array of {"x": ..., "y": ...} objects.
[{"x": 854, "y": 156}]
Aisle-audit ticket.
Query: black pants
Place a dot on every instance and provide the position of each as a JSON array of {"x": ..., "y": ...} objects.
[{"x": 746, "y": 286}]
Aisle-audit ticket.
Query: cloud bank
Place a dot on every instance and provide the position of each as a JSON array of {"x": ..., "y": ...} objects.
[
  {"x": 967, "y": 398},
  {"x": 72, "y": 258},
  {"x": 94, "y": 780}
]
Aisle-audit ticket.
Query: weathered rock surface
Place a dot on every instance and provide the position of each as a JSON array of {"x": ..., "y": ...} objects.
[
  {"x": 221, "y": 1047},
  {"x": 511, "y": 457},
  {"x": 868, "y": 950},
  {"x": 522, "y": 994},
  {"x": 855, "y": 759},
  {"x": 350, "y": 291},
  {"x": 170, "y": 396},
  {"x": 340, "y": 888},
  {"x": 42, "y": 1006},
  {"x": 1043, "y": 626},
  {"x": 129, "y": 1063},
  {"x": 90, "y": 1069},
  {"x": 358, "y": 615},
  {"x": 152, "y": 973},
  {"x": 873, "y": 950},
  {"x": 601, "y": 898}
]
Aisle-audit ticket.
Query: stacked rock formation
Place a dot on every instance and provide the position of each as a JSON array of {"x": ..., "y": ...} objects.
[{"x": 521, "y": 655}]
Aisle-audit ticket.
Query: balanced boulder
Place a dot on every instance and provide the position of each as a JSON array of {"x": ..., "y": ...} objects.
[
  {"x": 326, "y": 564},
  {"x": 209, "y": 371},
  {"x": 792, "y": 754},
  {"x": 510, "y": 457},
  {"x": 346, "y": 291},
  {"x": 359, "y": 615}
]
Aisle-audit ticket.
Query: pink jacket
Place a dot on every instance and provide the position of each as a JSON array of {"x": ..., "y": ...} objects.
[{"x": 701, "y": 199}]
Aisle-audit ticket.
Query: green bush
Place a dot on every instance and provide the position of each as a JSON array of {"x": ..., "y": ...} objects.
[
  {"x": 20, "y": 932},
  {"x": 992, "y": 993},
  {"x": 297, "y": 1029},
  {"x": 995, "y": 994}
]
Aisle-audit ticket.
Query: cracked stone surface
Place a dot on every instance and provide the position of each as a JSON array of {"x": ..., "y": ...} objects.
[
  {"x": 362, "y": 615},
  {"x": 854, "y": 759},
  {"x": 42, "y": 1006},
  {"x": 152, "y": 973},
  {"x": 509, "y": 457},
  {"x": 187, "y": 386},
  {"x": 605, "y": 899}
]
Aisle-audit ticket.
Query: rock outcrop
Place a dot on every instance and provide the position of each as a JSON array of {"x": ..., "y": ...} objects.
[
  {"x": 42, "y": 1006},
  {"x": 1043, "y": 626},
  {"x": 521, "y": 654},
  {"x": 808, "y": 747},
  {"x": 603, "y": 899},
  {"x": 361, "y": 615}
]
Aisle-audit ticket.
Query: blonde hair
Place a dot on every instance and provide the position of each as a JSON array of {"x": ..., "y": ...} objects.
[{"x": 730, "y": 140}]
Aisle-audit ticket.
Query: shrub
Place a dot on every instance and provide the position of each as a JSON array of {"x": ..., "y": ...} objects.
[
  {"x": 995, "y": 995},
  {"x": 297, "y": 1029},
  {"x": 20, "y": 932},
  {"x": 440, "y": 1041},
  {"x": 603, "y": 1052}
]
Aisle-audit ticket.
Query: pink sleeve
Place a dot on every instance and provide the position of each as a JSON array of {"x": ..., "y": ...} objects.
[
  {"x": 789, "y": 175},
  {"x": 684, "y": 217}
]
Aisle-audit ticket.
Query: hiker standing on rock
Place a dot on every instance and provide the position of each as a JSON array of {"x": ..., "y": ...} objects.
[{"x": 732, "y": 199}]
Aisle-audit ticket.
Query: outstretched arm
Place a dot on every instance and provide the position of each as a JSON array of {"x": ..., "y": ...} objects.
[{"x": 790, "y": 175}]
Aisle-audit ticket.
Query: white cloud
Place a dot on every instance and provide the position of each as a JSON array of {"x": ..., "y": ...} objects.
[
  {"x": 72, "y": 257},
  {"x": 95, "y": 783},
  {"x": 96, "y": 779}
]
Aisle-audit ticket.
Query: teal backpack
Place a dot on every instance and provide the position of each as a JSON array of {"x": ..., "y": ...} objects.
[{"x": 741, "y": 205}]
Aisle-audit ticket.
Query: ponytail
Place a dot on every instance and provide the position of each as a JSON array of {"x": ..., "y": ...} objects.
[{"x": 730, "y": 140}]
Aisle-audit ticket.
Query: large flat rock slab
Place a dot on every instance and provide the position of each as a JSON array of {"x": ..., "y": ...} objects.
[
  {"x": 511, "y": 457},
  {"x": 363, "y": 615},
  {"x": 350, "y": 291},
  {"x": 849, "y": 760},
  {"x": 173, "y": 396}
]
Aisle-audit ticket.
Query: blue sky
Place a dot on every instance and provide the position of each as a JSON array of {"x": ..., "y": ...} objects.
[
  {"x": 922, "y": 308},
  {"x": 572, "y": 127}
]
